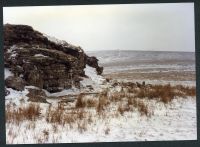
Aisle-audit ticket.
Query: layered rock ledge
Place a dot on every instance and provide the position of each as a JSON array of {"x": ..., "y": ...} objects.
[{"x": 38, "y": 60}]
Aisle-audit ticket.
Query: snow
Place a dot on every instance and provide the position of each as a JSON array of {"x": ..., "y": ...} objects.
[
  {"x": 176, "y": 121},
  {"x": 31, "y": 87},
  {"x": 15, "y": 96},
  {"x": 173, "y": 121},
  {"x": 40, "y": 55},
  {"x": 13, "y": 55},
  {"x": 62, "y": 42},
  {"x": 63, "y": 92},
  {"x": 7, "y": 73},
  {"x": 55, "y": 40},
  {"x": 148, "y": 68},
  {"x": 162, "y": 82},
  {"x": 93, "y": 79}
]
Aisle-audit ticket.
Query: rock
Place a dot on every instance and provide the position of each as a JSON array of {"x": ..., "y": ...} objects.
[
  {"x": 108, "y": 79},
  {"x": 37, "y": 95},
  {"x": 93, "y": 62},
  {"x": 16, "y": 83},
  {"x": 7, "y": 92},
  {"x": 139, "y": 85},
  {"x": 128, "y": 84},
  {"x": 42, "y": 62},
  {"x": 115, "y": 83},
  {"x": 99, "y": 70},
  {"x": 90, "y": 87}
]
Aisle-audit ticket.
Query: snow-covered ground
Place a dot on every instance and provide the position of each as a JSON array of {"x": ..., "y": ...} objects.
[
  {"x": 173, "y": 121},
  {"x": 96, "y": 81},
  {"x": 176, "y": 121}
]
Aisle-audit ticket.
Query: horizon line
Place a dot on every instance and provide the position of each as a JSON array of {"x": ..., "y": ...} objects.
[{"x": 138, "y": 50}]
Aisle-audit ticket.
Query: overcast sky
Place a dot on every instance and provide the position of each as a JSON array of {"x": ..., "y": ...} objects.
[{"x": 106, "y": 27}]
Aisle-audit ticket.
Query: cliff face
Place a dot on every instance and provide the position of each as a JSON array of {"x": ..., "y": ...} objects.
[{"x": 37, "y": 60}]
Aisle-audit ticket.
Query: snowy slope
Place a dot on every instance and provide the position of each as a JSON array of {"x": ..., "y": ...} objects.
[
  {"x": 93, "y": 79},
  {"x": 176, "y": 121}
]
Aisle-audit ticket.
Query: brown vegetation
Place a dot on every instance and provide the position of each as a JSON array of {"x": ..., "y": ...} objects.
[
  {"x": 143, "y": 109},
  {"x": 123, "y": 109},
  {"x": 80, "y": 103},
  {"x": 103, "y": 101},
  {"x": 165, "y": 93},
  {"x": 92, "y": 102},
  {"x": 129, "y": 98},
  {"x": 29, "y": 112}
]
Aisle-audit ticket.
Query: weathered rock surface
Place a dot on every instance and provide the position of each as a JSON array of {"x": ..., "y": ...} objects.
[
  {"x": 41, "y": 62},
  {"x": 37, "y": 95},
  {"x": 7, "y": 92},
  {"x": 93, "y": 62},
  {"x": 15, "y": 83}
]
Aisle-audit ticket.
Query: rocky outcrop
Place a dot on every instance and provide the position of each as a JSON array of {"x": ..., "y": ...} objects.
[
  {"x": 37, "y": 95},
  {"x": 7, "y": 92},
  {"x": 42, "y": 61},
  {"x": 93, "y": 62},
  {"x": 15, "y": 83}
]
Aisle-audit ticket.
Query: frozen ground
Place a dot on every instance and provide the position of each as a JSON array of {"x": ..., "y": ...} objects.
[
  {"x": 173, "y": 121},
  {"x": 176, "y": 121}
]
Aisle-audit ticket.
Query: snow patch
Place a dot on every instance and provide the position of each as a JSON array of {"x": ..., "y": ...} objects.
[
  {"x": 93, "y": 79},
  {"x": 62, "y": 42},
  {"x": 13, "y": 55},
  {"x": 7, "y": 73},
  {"x": 40, "y": 55},
  {"x": 31, "y": 87},
  {"x": 55, "y": 40},
  {"x": 62, "y": 93},
  {"x": 15, "y": 95},
  {"x": 92, "y": 74},
  {"x": 176, "y": 121}
]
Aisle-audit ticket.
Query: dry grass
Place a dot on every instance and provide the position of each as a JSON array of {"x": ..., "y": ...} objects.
[
  {"x": 55, "y": 115},
  {"x": 123, "y": 108},
  {"x": 82, "y": 126},
  {"x": 143, "y": 109},
  {"x": 43, "y": 137},
  {"x": 189, "y": 91},
  {"x": 80, "y": 103},
  {"x": 103, "y": 102},
  {"x": 133, "y": 101},
  {"x": 117, "y": 96},
  {"x": 139, "y": 105},
  {"x": 60, "y": 116},
  {"x": 130, "y": 98},
  {"x": 29, "y": 112},
  {"x": 92, "y": 103},
  {"x": 107, "y": 131},
  {"x": 55, "y": 128},
  {"x": 165, "y": 93}
]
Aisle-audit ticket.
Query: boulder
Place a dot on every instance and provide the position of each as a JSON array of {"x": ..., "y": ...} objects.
[
  {"x": 16, "y": 83},
  {"x": 93, "y": 62},
  {"x": 7, "y": 92},
  {"x": 37, "y": 95}
]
